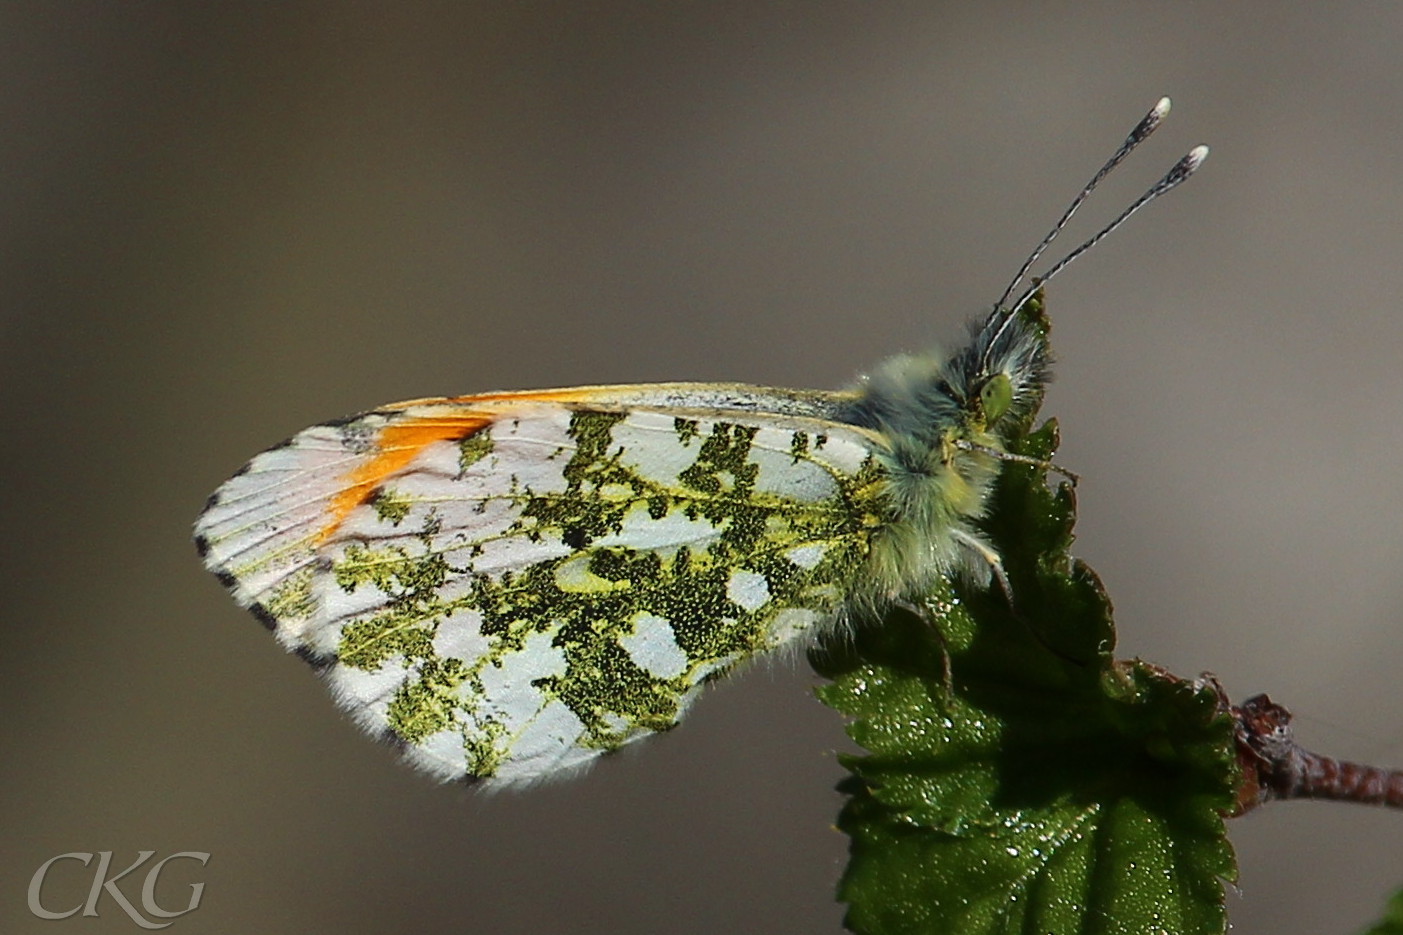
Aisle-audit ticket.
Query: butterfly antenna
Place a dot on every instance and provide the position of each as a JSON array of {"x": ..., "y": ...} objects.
[
  {"x": 1142, "y": 131},
  {"x": 1179, "y": 173}
]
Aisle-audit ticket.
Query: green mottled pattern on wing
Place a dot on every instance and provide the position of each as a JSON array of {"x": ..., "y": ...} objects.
[{"x": 562, "y": 582}]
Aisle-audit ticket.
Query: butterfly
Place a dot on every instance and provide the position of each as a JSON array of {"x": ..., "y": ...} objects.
[{"x": 507, "y": 585}]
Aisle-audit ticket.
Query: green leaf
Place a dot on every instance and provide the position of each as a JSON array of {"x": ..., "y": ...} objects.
[
  {"x": 1392, "y": 921},
  {"x": 1044, "y": 787}
]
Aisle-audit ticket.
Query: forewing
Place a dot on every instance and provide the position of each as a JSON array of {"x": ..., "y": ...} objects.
[{"x": 509, "y": 586}]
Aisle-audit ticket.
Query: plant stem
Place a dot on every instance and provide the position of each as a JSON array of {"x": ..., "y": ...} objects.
[{"x": 1274, "y": 766}]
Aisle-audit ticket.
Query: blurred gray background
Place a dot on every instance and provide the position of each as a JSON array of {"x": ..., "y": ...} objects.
[{"x": 223, "y": 222}]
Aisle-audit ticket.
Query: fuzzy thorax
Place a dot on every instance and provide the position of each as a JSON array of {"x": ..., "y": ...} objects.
[{"x": 943, "y": 423}]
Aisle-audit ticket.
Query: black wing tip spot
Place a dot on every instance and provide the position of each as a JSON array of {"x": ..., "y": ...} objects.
[
  {"x": 201, "y": 544},
  {"x": 353, "y": 418},
  {"x": 391, "y": 738},
  {"x": 318, "y": 661},
  {"x": 264, "y": 616},
  {"x": 228, "y": 580}
]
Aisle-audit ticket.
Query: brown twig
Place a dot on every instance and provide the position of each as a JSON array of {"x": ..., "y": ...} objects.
[{"x": 1274, "y": 766}]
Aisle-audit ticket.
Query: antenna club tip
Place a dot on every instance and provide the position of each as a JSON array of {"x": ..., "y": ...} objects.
[
  {"x": 1147, "y": 125},
  {"x": 1195, "y": 157}
]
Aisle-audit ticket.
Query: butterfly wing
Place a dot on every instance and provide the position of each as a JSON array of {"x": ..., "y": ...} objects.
[{"x": 509, "y": 585}]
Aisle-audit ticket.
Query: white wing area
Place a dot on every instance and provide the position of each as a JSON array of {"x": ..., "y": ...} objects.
[{"x": 508, "y": 586}]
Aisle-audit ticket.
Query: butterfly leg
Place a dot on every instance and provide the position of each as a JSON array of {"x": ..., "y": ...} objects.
[
  {"x": 996, "y": 565},
  {"x": 986, "y": 552},
  {"x": 928, "y": 616},
  {"x": 967, "y": 445}
]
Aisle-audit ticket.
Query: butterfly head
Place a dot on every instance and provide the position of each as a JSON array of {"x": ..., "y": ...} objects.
[{"x": 1005, "y": 369}]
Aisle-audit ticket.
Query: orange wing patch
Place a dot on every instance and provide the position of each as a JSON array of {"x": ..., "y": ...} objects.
[
  {"x": 401, "y": 441},
  {"x": 398, "y": 444}
]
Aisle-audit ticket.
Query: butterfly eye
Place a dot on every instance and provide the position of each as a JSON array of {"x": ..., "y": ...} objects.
[{"x": 995, "y": 397}]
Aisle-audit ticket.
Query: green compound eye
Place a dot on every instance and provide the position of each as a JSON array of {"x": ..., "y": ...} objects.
[{"x": 996, "y": 397}]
